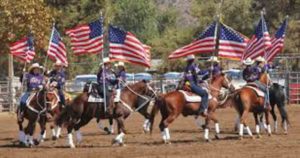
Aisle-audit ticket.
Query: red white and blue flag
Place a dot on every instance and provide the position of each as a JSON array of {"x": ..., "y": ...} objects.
[
  {"x": 277, "y": 42},
  {"x": 232, "y": 44},
  {"x": 57, "y": 49},
  {"x": 260, "y": 41},
  {"x": 23, "y": 50},
  {"x": 124, "y": 46},
  {"x": 204, "y": 44},
  {"x": 87, "y": 39}
]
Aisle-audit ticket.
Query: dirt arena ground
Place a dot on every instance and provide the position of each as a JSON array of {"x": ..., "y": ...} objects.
[{"x": 187, "y": 141}]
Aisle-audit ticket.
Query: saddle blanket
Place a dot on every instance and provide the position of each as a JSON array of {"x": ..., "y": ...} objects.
[
  {"x": 257, "y": 91},
  {"x": 191, "y": 97},
  {"x": 93, "y": 99}
]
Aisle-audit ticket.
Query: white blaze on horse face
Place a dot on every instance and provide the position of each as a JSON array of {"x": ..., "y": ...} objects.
[
  {"x": 206, "y": 133},
  {"x": 70, "y": 140},
  {"x": 241, "y": 133}
]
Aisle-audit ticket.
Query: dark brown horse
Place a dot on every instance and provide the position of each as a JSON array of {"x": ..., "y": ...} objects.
[
  {"x": 172, "y": 104},
  {"x": 80, "y": 111},
  {"x": 35, "y": 112},
  {"x": 246, "y": 100}
]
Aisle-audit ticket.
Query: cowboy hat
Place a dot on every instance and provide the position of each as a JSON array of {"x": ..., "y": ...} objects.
[
  {"x": 213, "y": 59},
  {"x": 260, "y": 59},
  {"x": 190, "y": 57},
  {"x": 121, "y": 63},
  {"x": 58, "y": 63},
  {"x": 35, "y": 65},
  {"x": 248, "y": 61},
  {"x": 104, "y": 61}
]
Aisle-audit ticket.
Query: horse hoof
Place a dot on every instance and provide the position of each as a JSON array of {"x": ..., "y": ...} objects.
[
  {"x": 258, "y": 136},
  {"x": 285, "y": 133},
  {"x": 269, "y": 134},
  {"x": 72, "y": 146},
  {"x": 36, "y": 142},
  {"x": 22, "y": 144},
  {"x": 203, "y": 127},
  {"x": 107, "y": 130},
  {"x": 54, "y": 138},
  {"x": 217, "y": 136},
  {"x": 207, "y": 140},
  {"x": 240, "y": 138}
]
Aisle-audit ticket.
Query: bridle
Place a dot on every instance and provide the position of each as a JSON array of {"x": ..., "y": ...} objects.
[{"x": 147, "y": 98}]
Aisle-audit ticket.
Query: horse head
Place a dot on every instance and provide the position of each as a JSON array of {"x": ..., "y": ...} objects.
[{"x": 222, "y": 80}]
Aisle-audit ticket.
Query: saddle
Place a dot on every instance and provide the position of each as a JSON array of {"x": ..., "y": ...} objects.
[
  {"x": 254, "y": 87},
  {"x": 94, "y": 96},
  {"x": 192, "y": 97}
]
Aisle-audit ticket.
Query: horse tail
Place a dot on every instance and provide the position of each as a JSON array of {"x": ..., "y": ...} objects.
[{"x": 159, "y": 102}]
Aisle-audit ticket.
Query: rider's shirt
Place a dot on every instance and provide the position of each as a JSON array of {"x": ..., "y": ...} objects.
[
  {"x": 33, "y": 81},
  {"x": 249, "y": 74},
  {"x": 59, "y": 76},
  {"x": 122, "y": 75},
  {"x": 216, "y": 70},
  {"x": 108, "y": 75},
  {"x": 191, "y": 73}
]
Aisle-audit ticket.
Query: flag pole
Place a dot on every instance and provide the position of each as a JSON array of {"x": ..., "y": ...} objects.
[
  {"x": 101, "y": 55},
  {"x": 216, "y": 36},
  {"x": 47, "y": 56}
]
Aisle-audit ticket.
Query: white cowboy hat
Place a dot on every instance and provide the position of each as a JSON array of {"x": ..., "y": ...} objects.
[
  {"x": 213, "y": 59},
  {"x": 248, "y": 61},
  {"x": 260, "y": 59},
  {"x": 190, "y": 57},
  {"x": 35, "y": 65},
  {"x": 121, "y": 63},
  {"x": 58, "y": 63},
  {"x": 104, "y": 61}
]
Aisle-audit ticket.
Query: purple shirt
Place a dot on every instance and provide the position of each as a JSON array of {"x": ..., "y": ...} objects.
[
  {"x": 109, "y": 77},
  {"x": 122, "y": 75},
  {"x": 34, "y": 81}
]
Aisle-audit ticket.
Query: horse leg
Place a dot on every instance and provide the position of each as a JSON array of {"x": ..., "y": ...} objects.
[
  {"x": 118, "y": 140},
  {"x": 268, "y": 123},
  {"x": 217, "y": 126},
  {"x": 284, "y": 116},
  {"x": 42, "y": 123},
  {"x": 146, "y": 125},
  {"x": 111, "y": 127},
  {"x": 198, "y": 122},
  {"x": 248, "y": 131},
  {"x": 77, "y": 127},
  {"x": 58, "y": 131},
  {"x": 22, "y": 137},
  {"x": 166, "y": 123},
  {"x": 70, "y": 136},
  {"x": 257, "y": 128},
  {"x": 274, "y": 118},
  {"x": 53, "y": 132},
  {"x": 242, "y": 123},
  {"x": 29, "y": 133}
]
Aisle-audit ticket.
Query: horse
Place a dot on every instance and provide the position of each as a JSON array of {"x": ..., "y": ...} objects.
[
  {"x": 246, "y": 100},
  {"x": 81, "y": 111},
  {"x": 277, "y": 97},
  {"x": 172, "y": 104},
  {"x": 35, "y": 111}
]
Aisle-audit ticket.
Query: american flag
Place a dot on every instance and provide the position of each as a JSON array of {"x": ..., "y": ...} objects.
[
  {"x": 57, "y": 49},
  {"x": 124, "y": 46},
  {"x": 87, "y": 38},
  {"x": 204, "y": 44},
  {"x": 23, "y": 49},
  {"x": 232, "y": 44},
  {"x": 277, "y": 42},
  {"x": 260, "y": 41}
]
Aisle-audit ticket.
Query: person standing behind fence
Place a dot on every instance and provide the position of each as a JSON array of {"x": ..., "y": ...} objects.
[
  {"x": 33, "y": 82},
  {"x": 58, "y": 75}
]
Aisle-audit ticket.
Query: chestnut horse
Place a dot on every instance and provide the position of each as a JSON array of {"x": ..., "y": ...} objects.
[
  {"x": 245, "y": 100},
  {"x": 80, "y": 111},
  {"x": 172, "y": 104},
  {"x": 35, "y": 112}
]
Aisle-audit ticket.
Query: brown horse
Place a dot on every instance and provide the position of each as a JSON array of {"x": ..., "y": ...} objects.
[
  {"x": 35, "y": 112},
  {"x": 245, "y": 101},
  {"x": 80, "y": 111},
  {"x": 172, "y": 104}
]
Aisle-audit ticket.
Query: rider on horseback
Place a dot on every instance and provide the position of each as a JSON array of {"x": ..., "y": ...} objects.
[
  {"x": 34, "y": 81},
  {"x": 216, "y": 68},
  {"x": 191, "y": 74},
  {"x": 121, "y": 79},
  {"x": 106, "y": 75},
  {"x": 253, "y": 73},
  {"x": 58, "y": 75}
]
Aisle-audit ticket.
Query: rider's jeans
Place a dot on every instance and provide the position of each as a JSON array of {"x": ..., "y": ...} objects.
[
  {"x": 202, "y": 93},
  {"x": 263, "y": 88},
  {"x": 24, "y": 99}
]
